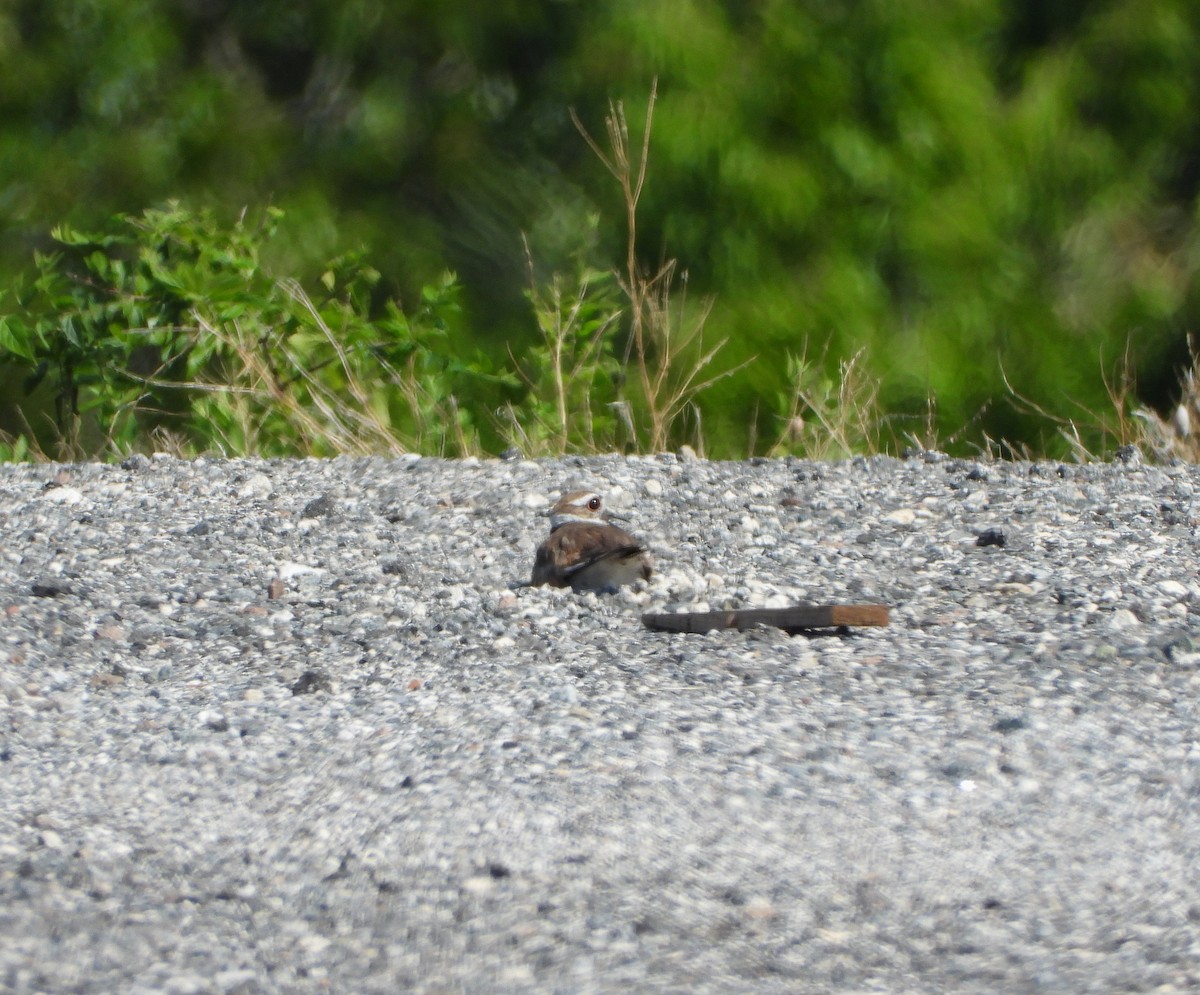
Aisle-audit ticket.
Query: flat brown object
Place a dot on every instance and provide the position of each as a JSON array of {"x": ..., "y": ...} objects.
[{"x": 797, "y": 618}]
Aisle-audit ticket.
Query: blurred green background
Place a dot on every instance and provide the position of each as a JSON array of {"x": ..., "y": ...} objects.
[{"x": 967, "y": 188}]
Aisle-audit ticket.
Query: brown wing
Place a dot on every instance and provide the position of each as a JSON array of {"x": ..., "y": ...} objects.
[
  {"x": 575, "y": 547},
  {"x": 544, "y": 569}
]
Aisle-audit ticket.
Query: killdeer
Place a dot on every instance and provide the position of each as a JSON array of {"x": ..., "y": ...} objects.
[{"x": 585, "y": 552}]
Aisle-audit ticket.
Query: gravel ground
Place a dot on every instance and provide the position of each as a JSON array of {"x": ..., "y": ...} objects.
[{"x": 294, "y": 726}]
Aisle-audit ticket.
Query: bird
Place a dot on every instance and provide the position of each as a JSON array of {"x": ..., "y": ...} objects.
[{"x": 584, "y": 551}]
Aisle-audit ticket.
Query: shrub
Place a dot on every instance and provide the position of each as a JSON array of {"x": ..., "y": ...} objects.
[{"x": 167, "y": 330}]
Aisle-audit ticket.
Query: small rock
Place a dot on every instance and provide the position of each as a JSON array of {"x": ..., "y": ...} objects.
[
  {"x": 63, "y": 495},
  {"x": 212, "y": 719},
  {"x": 50, "y": 839},
  {"x": 1123, "y": 618},
  {"x": 976, "y": 500},
  {"x": 290, "y": 571},
  {"x": 50, "y": 587},
  {"x": 310, "y": 682},
  {"x": 236, "y": 982},
  {"x": 991, "y": 537},
  {"x": 186, "y": 984},
  {"x": 318, "y": 507},
  {"x": 257, "y": 485},
  {"x": 1029, "y": 787},
  {"x": 480, "y": 884}
]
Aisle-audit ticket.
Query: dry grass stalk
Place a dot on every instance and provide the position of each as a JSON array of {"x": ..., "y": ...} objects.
[
  {"x": 831, "y": 421},
  {"x": 659, "y": 330},
  {"x": 560, "y": 325}
]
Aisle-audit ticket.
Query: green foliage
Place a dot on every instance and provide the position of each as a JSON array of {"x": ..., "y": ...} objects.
[
  {"x": 15, "y": 450},
  {"x": 970, "y": 191},
  {"x": 961, "y": 188},
  {"x": 168, "y": 329},
  {"x": 572, "y": 373}
]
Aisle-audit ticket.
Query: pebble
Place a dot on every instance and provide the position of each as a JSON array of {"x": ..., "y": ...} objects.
[
  {"x": 256, "y": 485},
  {"x": 1123, "y": 618},
  {"x": 63, "y": 495}
]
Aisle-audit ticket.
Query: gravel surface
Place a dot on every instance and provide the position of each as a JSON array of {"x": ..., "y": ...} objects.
[{"x": 295, "y": 726}]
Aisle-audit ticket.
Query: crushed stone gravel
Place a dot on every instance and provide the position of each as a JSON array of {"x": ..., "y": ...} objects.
[{"x": 273, "y": 726}]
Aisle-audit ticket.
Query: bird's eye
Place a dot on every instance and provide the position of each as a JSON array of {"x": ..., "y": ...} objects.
[{"x": 594, "y": 504}]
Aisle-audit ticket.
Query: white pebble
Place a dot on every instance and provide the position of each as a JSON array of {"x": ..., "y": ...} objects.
[
  {"x": 63, "y": 495},
  {"x": 1123, "y": 618},
  {"x": 257, "y": 485}
]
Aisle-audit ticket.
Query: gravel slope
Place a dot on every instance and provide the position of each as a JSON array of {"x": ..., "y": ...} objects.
[{"x": 405, "y": 771}]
